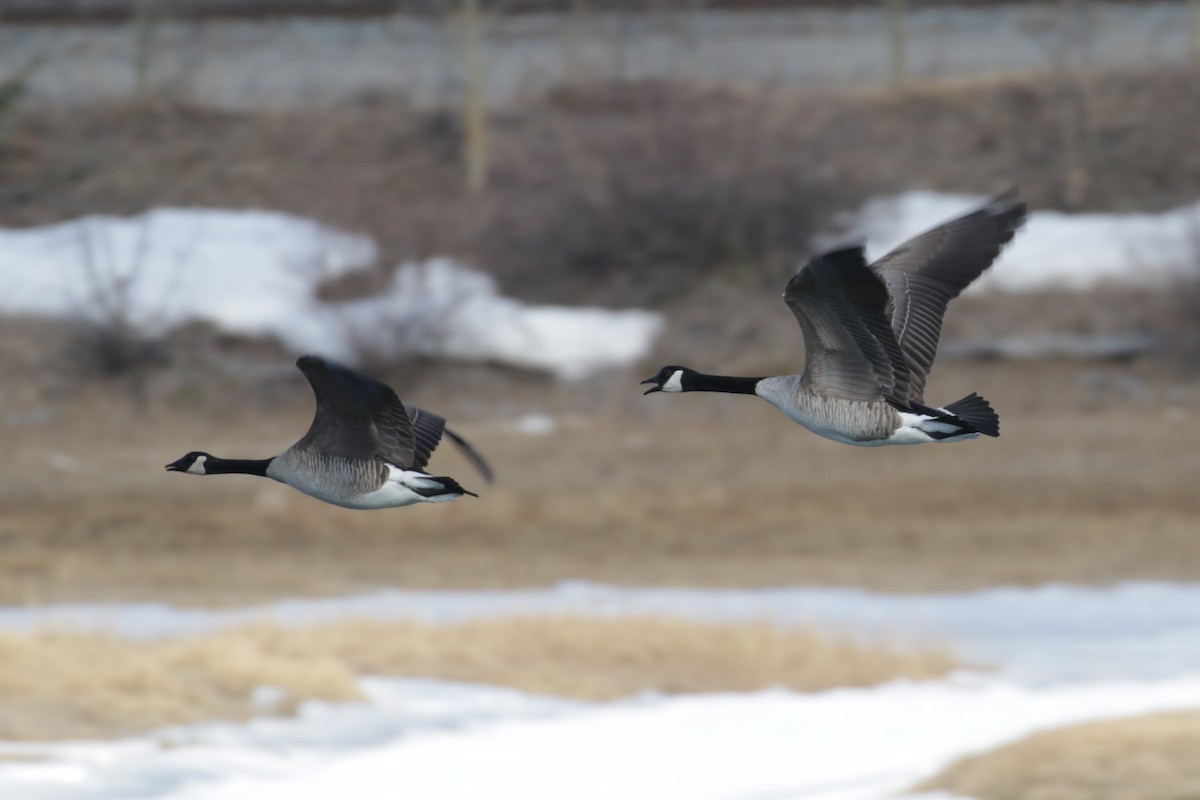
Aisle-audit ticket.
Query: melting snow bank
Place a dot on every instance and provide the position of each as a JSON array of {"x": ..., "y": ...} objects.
[
  {"x": 420, "y": 739},
  {"x": 1055, "y": 250},
  {"x": 1037, "y": 636},
  {"x": 1067, "y": 655},
  {"x": 255, "y": 273},
  {"x": 445, "y": 310}
]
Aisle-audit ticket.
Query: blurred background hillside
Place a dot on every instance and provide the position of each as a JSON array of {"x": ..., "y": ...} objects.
[
  {"x": 513, "y": 211},
  {"x": 592, "y": 153}
]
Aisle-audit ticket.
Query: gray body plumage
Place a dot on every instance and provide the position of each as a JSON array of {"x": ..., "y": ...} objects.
[
  {"x": 328, "y": 477},
  {"x": 848, "y": 421}
]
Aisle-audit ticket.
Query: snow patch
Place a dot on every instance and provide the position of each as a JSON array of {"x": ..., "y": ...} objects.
[
  {"x": 255, "y": 273},
  {"x": 442, "y": 309},
  {"x": 440, "y": 740},
  {"x": 1066, "y": 655},
  {"x": 1054, "y": 250}
]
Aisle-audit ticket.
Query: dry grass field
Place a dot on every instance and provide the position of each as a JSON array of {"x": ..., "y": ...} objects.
[
  {"x": 1092, "y": 481},
  {"x": 1140, "y": 758},
  {"x": 120, "y": 687}
]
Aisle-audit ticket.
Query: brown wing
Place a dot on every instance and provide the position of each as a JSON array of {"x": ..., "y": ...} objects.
[
  {"x": 357, "y": 416},
  {"x": 850, "y": 350},
  {"x": 925, "y": 273}
]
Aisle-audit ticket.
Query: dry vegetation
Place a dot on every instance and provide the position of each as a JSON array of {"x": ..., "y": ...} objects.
[
  {"x": 1141, "y": 758},
  {"x": 1091, "y": 481},
  {"x": 58, "y": 684},
  {"x": 618, "y": 192}
]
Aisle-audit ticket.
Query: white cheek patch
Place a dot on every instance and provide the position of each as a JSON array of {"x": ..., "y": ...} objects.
[
  {"x": 197, "y": 467},
  {"x": 674, "y": 383}
]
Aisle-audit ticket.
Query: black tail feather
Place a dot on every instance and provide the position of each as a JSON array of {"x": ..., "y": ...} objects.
[
  {"x": 977, "y": 413},
  {"x": 448, "y": 486}
]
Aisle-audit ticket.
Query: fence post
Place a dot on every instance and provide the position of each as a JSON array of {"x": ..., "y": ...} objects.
[
  {"x": 897, "y": 12},
  {"x": 575, "y": 32},
  {"x": 1194, "y": 31},
  {"x": 145, "y": 17},
  {"x": 474, "y": 112}
]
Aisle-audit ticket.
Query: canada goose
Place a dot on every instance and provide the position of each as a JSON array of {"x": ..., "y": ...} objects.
[
  {"x": 871, "y": 334},
  {"x": 364, "y": 449}
]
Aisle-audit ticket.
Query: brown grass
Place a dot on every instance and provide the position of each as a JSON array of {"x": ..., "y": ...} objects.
[
  {"x": 1142, "y": 758},
  {"x": 61, "y": 684},
  {"x": 1090, "y": 482}
]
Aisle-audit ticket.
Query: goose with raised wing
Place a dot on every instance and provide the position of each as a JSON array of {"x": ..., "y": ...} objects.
[
  {"x": 364, "y": 449},
  {"x": 870, "y": 337}
]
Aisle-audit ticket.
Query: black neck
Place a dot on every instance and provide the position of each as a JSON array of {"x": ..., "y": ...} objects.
[
  {"x": 239, "y": 466},
  {"x": 699, "y": 382}
]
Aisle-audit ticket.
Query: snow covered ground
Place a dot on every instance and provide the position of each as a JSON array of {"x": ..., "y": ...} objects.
[
  {"x": 1054, "y": 250},
  {"x": 434, "y": 741},
  {"x": 256, "y": 273},
  {"x": 1062, "y": 654}
]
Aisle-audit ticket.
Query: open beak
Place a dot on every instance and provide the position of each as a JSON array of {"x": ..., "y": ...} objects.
[
  {"x": 654, "y": 388},
  {"x": 176, "y": 466}
]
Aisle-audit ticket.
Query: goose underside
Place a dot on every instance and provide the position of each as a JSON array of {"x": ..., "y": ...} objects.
[
  {"x": 879, "y": 422},
  {"x": 407, "y": 487},
  {"x": 400, "y": 488},
  {"x": 362, "y": 484},
  {"x": 856, "y": 422}
]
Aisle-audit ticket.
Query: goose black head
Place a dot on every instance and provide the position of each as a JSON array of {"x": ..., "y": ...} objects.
[
  {"x": 194, "y": 463},
  {"x": 668, "y": 379}
]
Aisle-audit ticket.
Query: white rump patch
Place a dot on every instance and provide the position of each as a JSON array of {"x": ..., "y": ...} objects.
[
  {"x": 915, "y": 429},
  {"x": 398, "y": 490}
]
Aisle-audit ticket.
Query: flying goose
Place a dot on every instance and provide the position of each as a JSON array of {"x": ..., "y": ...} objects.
[
  {"x": 364, "y": 449},
  {"x": 871, "y": 334}
]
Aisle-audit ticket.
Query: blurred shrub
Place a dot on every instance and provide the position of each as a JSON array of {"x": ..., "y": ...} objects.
[
  {"x": 12, "y": 91},
  {"x": 631, "y": 193},
  {"x": 1182, "y": 322},
  {"x": 110, "y": 349}
]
